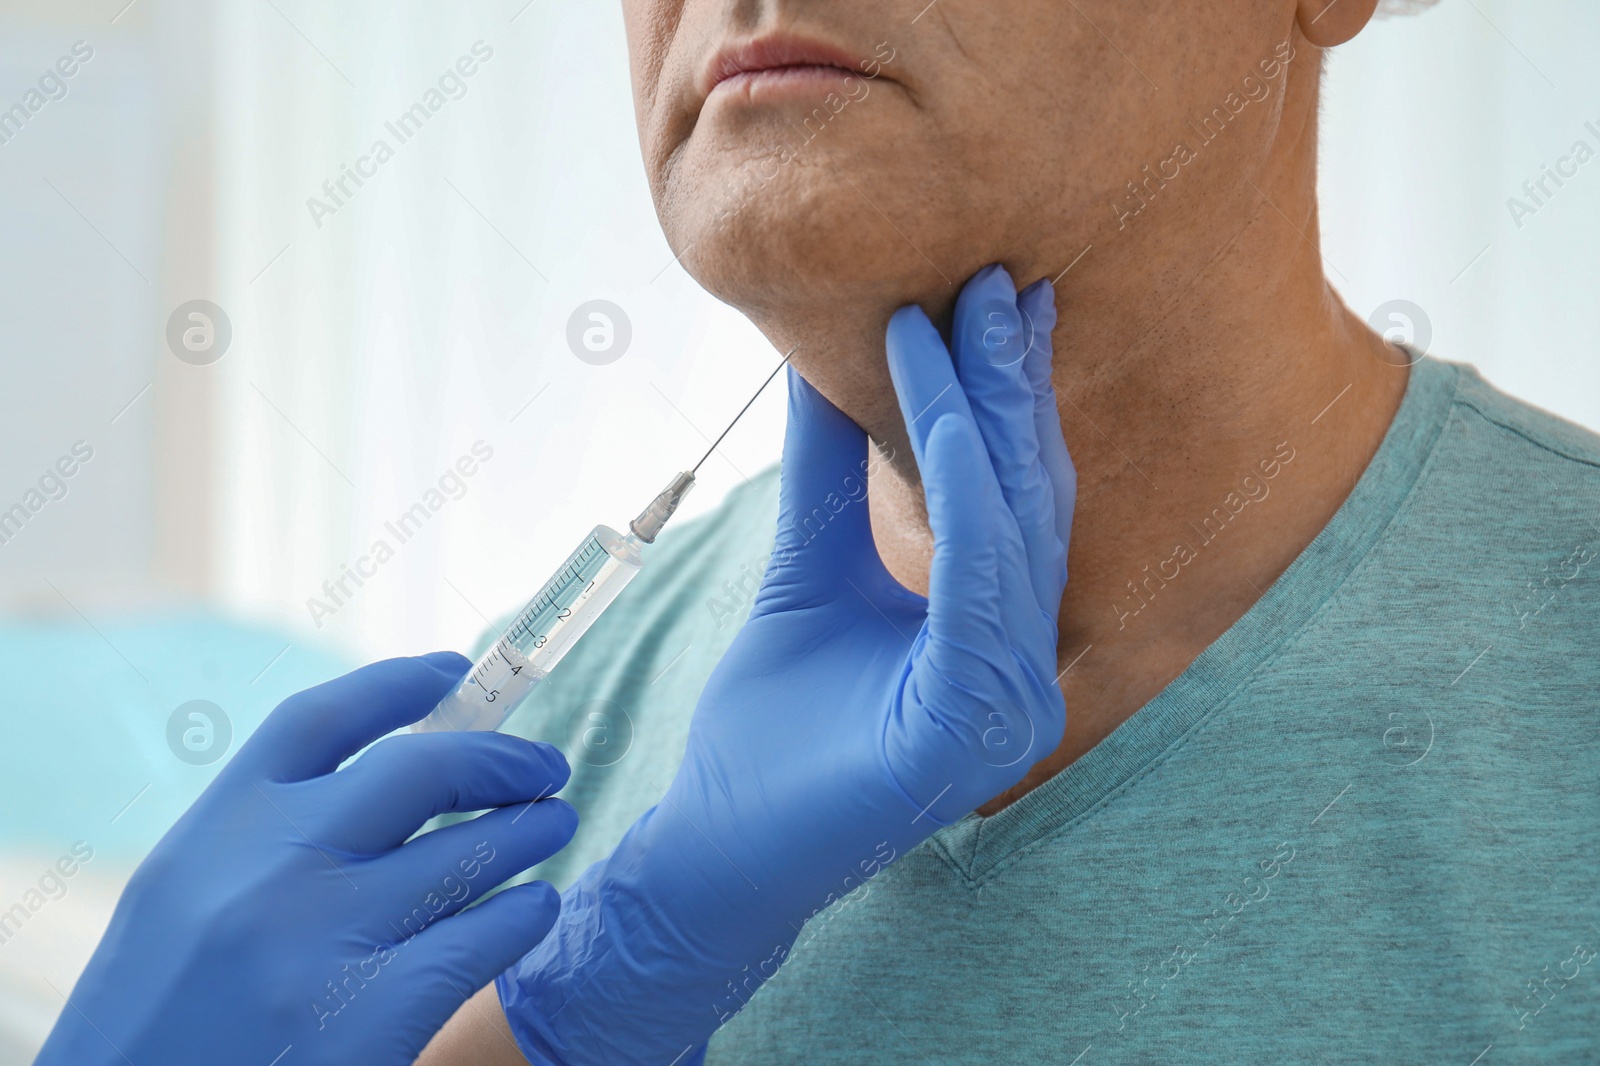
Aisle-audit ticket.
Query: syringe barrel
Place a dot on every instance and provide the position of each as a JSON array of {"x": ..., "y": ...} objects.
[{"x": 541, "y": 634}]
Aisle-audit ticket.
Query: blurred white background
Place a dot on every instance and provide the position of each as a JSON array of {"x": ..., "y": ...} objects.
[{"x": 375, "y": 345}]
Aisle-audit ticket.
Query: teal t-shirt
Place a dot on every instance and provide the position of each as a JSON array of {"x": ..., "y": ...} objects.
[{"x": 1363, "y": 826}]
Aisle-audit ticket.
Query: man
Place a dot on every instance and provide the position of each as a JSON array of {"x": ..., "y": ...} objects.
[{"x": 1326, "y": 788}]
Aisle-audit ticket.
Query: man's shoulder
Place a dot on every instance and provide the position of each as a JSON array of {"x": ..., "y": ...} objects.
[
  {"x": 1531, "y": 433},
  {"x": 1505, "y": 469},
  {"x": 1505, "y": 524}
]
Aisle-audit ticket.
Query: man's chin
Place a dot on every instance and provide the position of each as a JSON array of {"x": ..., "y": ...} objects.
[{"x": 805, "y": 238}]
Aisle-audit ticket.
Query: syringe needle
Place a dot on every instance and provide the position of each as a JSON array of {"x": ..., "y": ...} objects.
[
  {"x": 696, "y": 468},
  {"x": 563, "y": 609}
]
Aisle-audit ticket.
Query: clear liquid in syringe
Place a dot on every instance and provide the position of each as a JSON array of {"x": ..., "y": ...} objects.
[
  {"x": 544, "y": 631},
  {"x": 564, "y": 608}
]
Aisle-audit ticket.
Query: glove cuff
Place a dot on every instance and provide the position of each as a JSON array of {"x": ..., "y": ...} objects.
[
  {"x": 667, "y": 939},
  {"x": 615, "y": 981}
]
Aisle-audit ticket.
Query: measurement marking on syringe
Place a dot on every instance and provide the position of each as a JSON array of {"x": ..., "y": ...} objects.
[
  {"x": 564, "y": 608},
  {"x": 551, "y": 595}
]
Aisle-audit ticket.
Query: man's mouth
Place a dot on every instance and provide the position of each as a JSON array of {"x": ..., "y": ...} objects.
[{"x": 776, "y": 63}]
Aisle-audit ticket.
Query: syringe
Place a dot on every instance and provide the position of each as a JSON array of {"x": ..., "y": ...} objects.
[{"x": 562, "y": 610}]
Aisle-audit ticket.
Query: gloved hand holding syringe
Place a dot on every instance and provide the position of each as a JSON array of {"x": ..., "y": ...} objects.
[{"x": 563, "y": 610}]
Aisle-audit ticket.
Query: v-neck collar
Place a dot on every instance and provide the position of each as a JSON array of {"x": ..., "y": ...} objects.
[{"x": 979, "y": 848}]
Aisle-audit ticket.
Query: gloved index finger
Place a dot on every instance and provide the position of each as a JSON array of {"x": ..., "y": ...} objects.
[
  {"x": 974, "y": 534},
  {"x": 312, "y": 732},
  {"x": 380, "y": 800},
  {"x": 476, "y": 855},
  {"x": 992, "y": 341},
  {"x": 1038, "y": 306},
  {"x": 924, "y": 376}
]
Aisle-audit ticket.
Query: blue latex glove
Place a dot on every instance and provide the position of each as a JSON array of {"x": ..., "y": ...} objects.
[
  {"x": 850, "y": 718},
  {"x": 285, "y": 920}
]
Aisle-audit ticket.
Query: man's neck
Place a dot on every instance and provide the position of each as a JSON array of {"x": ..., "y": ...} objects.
[{"x": 1219, "y": 402}]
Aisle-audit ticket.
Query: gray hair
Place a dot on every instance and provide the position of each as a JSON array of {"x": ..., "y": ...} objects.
[{"x": 1403, "y": 7}]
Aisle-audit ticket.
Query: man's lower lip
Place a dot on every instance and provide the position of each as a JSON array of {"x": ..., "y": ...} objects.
[{"x": 779, "y": 79}]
